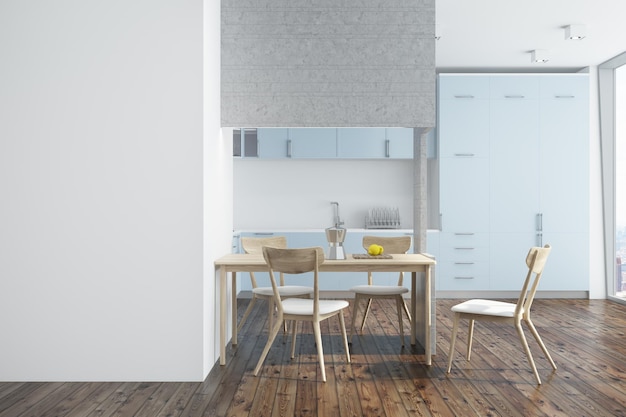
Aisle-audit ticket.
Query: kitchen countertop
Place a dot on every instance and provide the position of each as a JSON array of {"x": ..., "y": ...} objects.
[{"x": 323, "y": 230}]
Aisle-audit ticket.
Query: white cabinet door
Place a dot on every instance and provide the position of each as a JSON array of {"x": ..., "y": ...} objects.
[
  {"x": 400, "y": 143},
  {"x": 464, "y": 194},
  {"x": 565, "y": 157},
  {"x": 464, "y": 128},
  {"x": 273, "y": 142},
  {"x": 313, "y": 143},
  {"x": 564, "y": 198},
  {"x": 508, "y": 252},
  {"x": 514, "y": 165},
  {"x": 464, "y": 116},
  {"x": 361, "y": 142},
  {"x": 567, "y": 268}
]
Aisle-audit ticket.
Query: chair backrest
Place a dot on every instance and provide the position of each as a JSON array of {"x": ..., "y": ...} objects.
[
  {"x": 254, "y": 245},
  {"x": 394, "y": 244},
  {"x": 294, "y": 261},
  {"x": 391, "y": 245},
  {"x": 536, "y": 261}
]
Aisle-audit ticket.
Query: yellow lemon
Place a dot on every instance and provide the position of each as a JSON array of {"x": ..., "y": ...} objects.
[{"x": 374, "y": 249}]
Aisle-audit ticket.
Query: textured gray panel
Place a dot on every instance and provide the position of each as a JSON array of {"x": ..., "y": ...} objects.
[{"x": 320, "y": 63}]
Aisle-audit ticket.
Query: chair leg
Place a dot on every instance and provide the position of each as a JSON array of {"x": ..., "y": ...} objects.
[
  {"x": 455, "y": 328},
  {"x": 345, "y": 335},
  {"x": 399, "y": 302},
  {"x": 406, "y": 309},
  {"x": 533, "y": 330},
  {"x": 294, "y": 326},
  {"x": 247, "y": 313},
  {"x": 367, "y": 310},
  {"x": 355, "y": 310},
  {"x": 320, "y": 348},
  {"x": 270, "y": 313},
  {"x": 470, "y": 336},
  {"x": 520, "y": 332},
  {"x": 270, "y": 339}
]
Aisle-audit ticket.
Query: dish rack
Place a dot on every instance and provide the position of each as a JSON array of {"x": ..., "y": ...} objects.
[{"x": 383, "y": 218}]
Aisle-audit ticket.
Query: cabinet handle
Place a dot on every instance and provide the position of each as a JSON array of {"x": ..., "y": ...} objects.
[
  {"x": 540, "y": 222},
  {"x": 464, "y": 96},
  {"x": 514, "y": 96},
  {"x": 464, "y": 154},
  {"x": 289, "y": 148},
  {"x": 387, "y": 148},
  {"x": 263, "y": 233},
  {"x": 566, "y": 96},
  {"x": 463, "y": 277},
  {"x": 464, "y": 263},
  {"x": 464, "y": 248},
  {"x": 464, "y": 234}
]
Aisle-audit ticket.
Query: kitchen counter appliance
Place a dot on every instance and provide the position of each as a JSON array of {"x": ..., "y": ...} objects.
[{"x": 335, "y": 236}]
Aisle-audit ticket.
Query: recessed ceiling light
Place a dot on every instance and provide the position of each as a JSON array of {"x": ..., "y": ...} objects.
[
  {"x": 539, "y": 56},
  {"x": 575, "y": 32}
]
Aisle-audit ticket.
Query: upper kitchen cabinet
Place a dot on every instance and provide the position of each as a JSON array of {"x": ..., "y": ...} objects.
[
  {"x": 361, "y": 143},
  {"x": 312, "y": 143},
  {"x": 375, "y": 143},
  {"x": 245, "y": 143},
  {"x": 400, "y": 143},
  {"x": 273, "y": 142},
  {"x": 327, "y": 143},
  {"x": 463, "y": 116}
]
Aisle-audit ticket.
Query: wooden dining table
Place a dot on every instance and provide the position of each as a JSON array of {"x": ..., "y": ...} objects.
[{"x": 421, "y": 289}]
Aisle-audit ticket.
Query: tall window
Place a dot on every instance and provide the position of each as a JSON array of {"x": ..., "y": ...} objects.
[{"x": 612, "y": 88}]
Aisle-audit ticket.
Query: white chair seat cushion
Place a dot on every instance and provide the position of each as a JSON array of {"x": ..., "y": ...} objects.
[
  {"x": 286, "y": 291},
  {"x": 379, "y": 289},
  {"x": 304, "y": 307},
  {"x": 486, "y": 307}
]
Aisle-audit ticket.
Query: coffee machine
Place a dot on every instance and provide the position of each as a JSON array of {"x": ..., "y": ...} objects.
[{"x": 335, "y": 236}]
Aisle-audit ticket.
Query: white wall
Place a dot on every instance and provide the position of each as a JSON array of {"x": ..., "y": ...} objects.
[
  {"x": 296, "y": 194},
  {"x": 218, "y": 184},
  {"x": 101, "y": 178}
]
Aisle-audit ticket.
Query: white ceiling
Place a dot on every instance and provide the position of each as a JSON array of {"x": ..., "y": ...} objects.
[{"x": 479, "y": 35}]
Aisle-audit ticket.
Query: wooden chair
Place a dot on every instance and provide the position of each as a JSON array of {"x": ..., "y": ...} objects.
[
  {"x": 370, "y": 291},
  {"x": 298, "y": 261},
  {"x": 254, "y": 245},
  {"x": 499, "y": 311}
]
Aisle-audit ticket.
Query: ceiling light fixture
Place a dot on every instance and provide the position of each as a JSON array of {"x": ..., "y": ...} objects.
[
  {"x": 574, "y": 32},
  {"x": 539, "y": 56}
]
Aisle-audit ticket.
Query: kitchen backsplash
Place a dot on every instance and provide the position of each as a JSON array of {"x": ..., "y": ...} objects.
[{"x": 288, "y": 194}]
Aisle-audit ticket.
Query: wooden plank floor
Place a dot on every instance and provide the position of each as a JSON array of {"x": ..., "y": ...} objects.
[{"x": 586, "y": 340}]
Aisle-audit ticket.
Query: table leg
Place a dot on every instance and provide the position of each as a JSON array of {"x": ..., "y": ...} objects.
[
  {"x": 428, "y": 319},
  {"x": 413, "y": 306},
  {"x": 234, "y": 306},
  {"x": 222, "y": 316}
]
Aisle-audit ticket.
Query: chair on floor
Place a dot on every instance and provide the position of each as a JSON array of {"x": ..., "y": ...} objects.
[
  {"x": 391, "y": 245},
  {"x": 498, "y": 311},
  {"x": 298, "y": 261},
  {"x": 254, "y": 245}
]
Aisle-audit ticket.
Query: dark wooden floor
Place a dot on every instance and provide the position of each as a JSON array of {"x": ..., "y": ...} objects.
[{"x": 585, "y": 338}]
